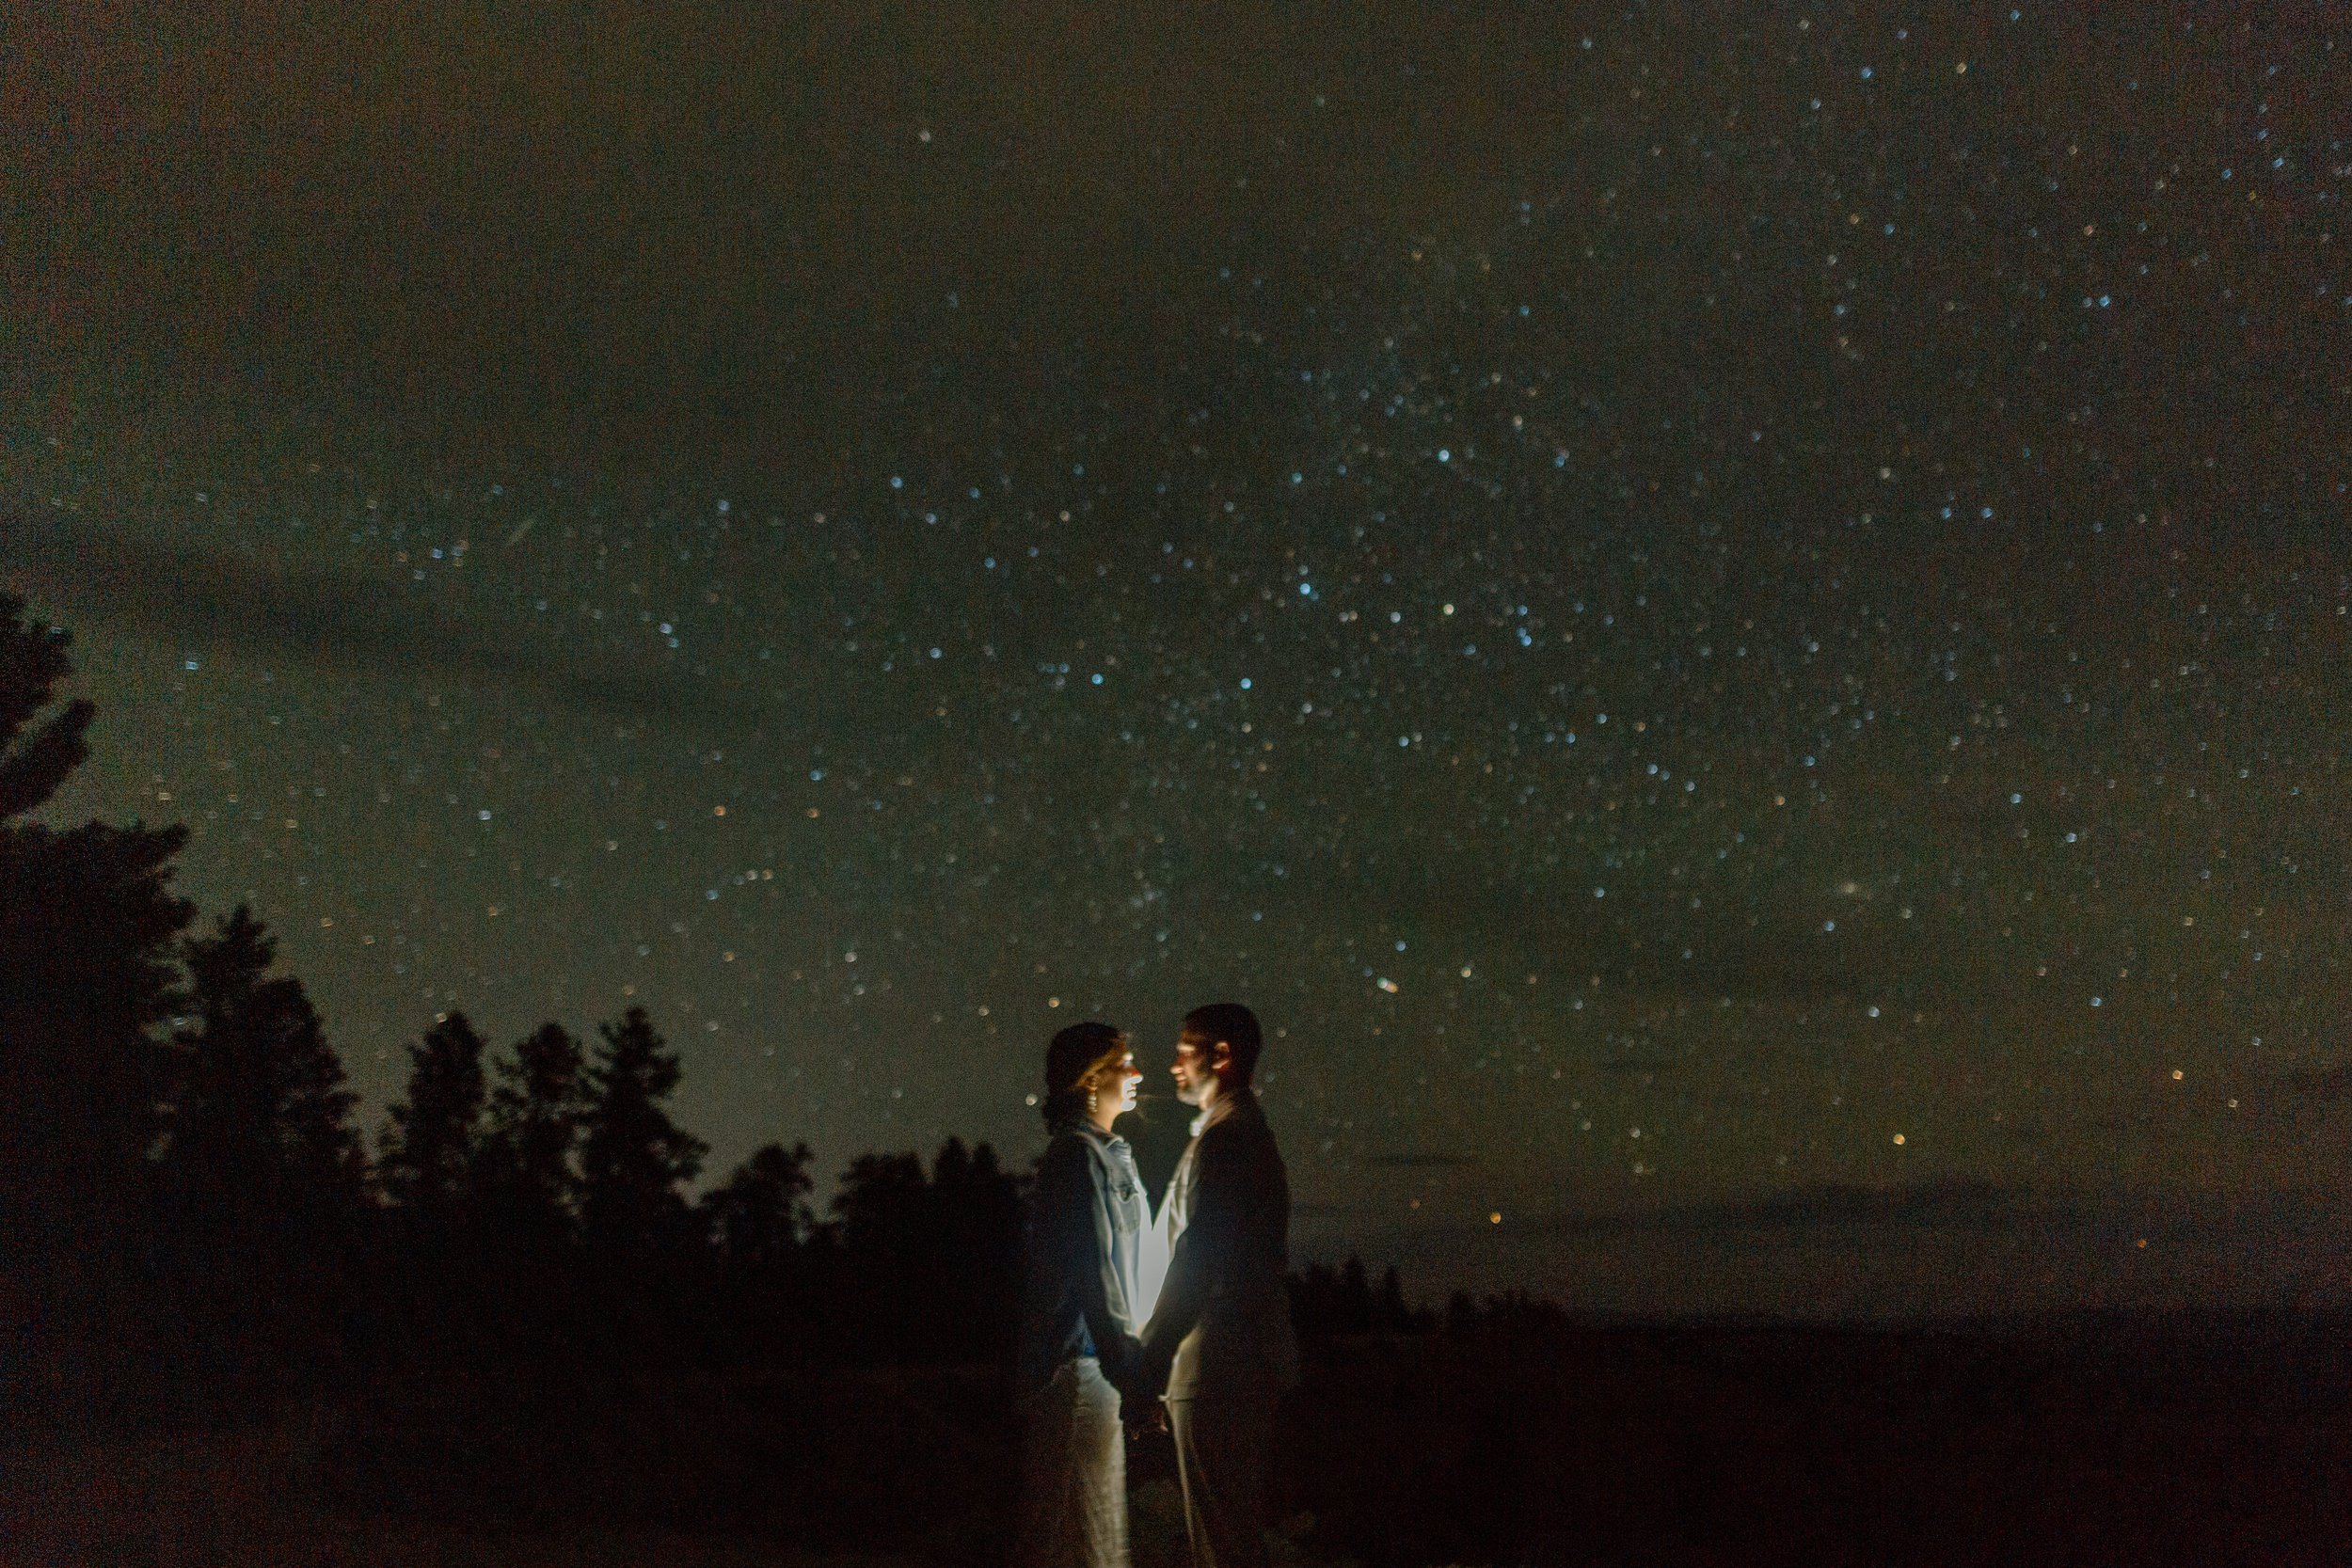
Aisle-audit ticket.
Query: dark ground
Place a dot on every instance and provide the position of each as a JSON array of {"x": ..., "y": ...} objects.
[{"x": 2080, "y": 1443}]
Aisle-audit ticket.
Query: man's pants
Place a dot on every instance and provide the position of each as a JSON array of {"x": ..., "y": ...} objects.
[{"x": 1223, "y": 1440}]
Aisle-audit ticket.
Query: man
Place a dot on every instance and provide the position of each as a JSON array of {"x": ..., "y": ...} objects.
[{"x": 1219, "y": 1340}]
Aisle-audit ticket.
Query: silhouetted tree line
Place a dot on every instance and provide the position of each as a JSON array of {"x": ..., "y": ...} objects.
[
  {"x": 1513, "y": 1312},
  {"x": 183, "y": 1191},
  {"x": 1326, "y": 1303}
]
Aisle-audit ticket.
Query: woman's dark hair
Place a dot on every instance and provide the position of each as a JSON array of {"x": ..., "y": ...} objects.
[{"x": 1070, "y": 1056}]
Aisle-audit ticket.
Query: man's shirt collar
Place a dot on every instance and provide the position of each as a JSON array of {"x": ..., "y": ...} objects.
[{"x": 1228, "y": 1102}]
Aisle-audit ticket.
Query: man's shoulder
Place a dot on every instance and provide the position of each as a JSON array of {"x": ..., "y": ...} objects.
[{"x": 1244, "y": 1127}]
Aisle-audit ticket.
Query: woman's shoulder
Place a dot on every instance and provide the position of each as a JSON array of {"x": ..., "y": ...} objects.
[{"x": 1069, "y": 1148}]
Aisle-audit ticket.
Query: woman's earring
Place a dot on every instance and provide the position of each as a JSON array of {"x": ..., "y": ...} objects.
[{"x": 1091, "y": 1092}]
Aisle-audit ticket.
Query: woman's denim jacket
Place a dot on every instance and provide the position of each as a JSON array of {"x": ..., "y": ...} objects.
[{"x": 1087, "y": 1220}]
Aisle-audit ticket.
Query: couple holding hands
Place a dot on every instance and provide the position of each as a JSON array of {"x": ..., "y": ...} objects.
[{"x": 1184, "y": 1319}]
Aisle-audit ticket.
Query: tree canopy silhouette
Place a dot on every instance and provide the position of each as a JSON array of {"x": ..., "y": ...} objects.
[
  {"x": 260, "y": 1120},
  {"x": 633, "y": 1159},
  {"x": 758, "y": 1215},
  {"x": 927, "y": 1266},
  {"x": 427, "y": 1163},
  {"x": 87, "y": 973},
  {"x": 32, "y": 662},
  {"x": 537, "y": 1105}
]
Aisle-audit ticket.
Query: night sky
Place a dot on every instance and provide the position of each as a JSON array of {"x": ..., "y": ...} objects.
[{"x": 1735, "y": 628}]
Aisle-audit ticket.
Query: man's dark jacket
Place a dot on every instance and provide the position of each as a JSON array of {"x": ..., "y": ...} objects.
[{"x": 1223, "y": 1318}]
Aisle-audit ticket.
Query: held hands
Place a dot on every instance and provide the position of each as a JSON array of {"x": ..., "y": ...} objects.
[
  {"x": 1139, "y": 1408},
  {"x": 1139, "y": 1378}
]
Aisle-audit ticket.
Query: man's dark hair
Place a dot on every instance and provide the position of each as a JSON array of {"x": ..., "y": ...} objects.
[{"x": 1237, "y": 1027}]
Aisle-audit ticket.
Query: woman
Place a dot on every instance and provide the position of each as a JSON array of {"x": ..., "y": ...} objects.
[{"x": 1089, "y": 1221}]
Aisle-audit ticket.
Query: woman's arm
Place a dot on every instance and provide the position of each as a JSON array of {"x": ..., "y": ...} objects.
[{"x": 1070, "y": 1212}]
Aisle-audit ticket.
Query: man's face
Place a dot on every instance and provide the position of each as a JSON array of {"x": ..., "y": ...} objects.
[{"x": 1195, "y": 1068}]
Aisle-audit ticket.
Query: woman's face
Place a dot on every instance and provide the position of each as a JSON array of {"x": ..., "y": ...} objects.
[{"x": 1116, "y": 1083}]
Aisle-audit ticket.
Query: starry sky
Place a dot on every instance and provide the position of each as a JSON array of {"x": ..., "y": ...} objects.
[{"x": 1732, "y": 623}]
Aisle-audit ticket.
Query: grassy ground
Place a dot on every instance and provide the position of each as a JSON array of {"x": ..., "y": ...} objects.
[
  {"x": 250, "y": 1500},
  {"x": 1596, "y": 1448}
]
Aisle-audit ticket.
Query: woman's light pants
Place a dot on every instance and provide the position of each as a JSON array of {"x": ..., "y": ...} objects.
[{"x": 1073, "y": 1473}]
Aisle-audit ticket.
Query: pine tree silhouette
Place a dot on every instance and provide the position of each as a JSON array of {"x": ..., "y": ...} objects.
[
  {"x": 875, "y": 1295},
  {"x": 428, "y": 1157},
  {"x": 759, "y": 1214},
  {"x": 262, "y": 1171},
  {"x": 1355, "y": 1297},
  {"x": 536, "y": 1107},
  {"x": 881, "y": 1209},
  {"x": 261, "y": 1121},
  {"x": 1391, "y": 1314},
  {"x": 976, "y": 1242},
  {"x": 86, "y": 976},
  {"x": 32, "y": 662},
  {"x": 928, "y": 1266},
  {"x": 633, "y": 1158}
]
